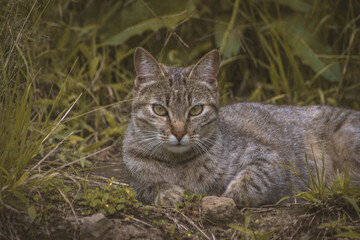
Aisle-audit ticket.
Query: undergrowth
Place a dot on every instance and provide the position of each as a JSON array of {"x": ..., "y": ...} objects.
[{"x": 108, "y": 199}]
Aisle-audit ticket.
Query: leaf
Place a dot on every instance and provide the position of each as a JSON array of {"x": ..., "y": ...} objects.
[
  {"x": 116, "y": 131},
  {"x": 110, "y": 118},
  {"x": 120, "y": 206},
  {"x": 353, "y": 203},
  {"x": 94, "y": 146},
  {"x": 307, "y": 44},
  {"x": 85, "y": 163},
  {"x": 233, "y": 44},
  {"x": 75, "y": 138},
  {"x": 94, "y": 66},
  {"x": 32, "y": 212},
  {"x": 153, "y": 24},
  {"x": 106, "y": 197},
  {"x": 351, "y": 234},
  {"x": 111, "y": 209}
]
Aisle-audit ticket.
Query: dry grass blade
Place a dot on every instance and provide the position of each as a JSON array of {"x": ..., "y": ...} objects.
[
  {"x": 70, "y": 204},
  {"x": 62, "y": 118},
  {"x": 49, "y": 153},
  {"x": 192, "y": 223},
  {"x": 19, "y": 35}
]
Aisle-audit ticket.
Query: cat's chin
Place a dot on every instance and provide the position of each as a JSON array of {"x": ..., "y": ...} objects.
[{"x": 178, "y": 148}]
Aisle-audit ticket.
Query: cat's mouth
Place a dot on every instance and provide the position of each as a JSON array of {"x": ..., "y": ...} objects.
[{"x": 177, "y": 148}]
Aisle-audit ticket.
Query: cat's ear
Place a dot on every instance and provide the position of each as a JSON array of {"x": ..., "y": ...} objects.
[
  {"x": 145, "y": 66},
  {"x": 207, "y": 68}
]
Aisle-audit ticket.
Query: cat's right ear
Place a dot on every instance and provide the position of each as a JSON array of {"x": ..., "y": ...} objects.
[{"x": 145, "y": 66}]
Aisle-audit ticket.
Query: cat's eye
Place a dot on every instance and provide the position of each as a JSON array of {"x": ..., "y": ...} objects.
[
  {"x": 159, "y": 110},
  {"x": 196, "y": 110}
]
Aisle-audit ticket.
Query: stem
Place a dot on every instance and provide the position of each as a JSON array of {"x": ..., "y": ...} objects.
[{"x": 230, "y": 26}]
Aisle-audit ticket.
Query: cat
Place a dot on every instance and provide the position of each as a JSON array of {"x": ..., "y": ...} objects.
[{"x": 179, "y": 137}]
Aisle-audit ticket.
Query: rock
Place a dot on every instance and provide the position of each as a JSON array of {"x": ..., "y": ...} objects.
[
  {"x": 218, "y": 209},
  {"x": 129, "y": 231},
  {"x": 95, "y": 226}
]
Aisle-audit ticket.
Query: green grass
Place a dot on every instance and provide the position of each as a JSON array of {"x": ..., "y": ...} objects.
[{"x": 67, "y": 72}]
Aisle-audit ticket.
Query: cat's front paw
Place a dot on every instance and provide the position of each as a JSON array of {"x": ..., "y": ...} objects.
[
  {"x": 243, "y": 192},
  {"x": 240, "y": 194},
  {"x": 170, "y": 196}
]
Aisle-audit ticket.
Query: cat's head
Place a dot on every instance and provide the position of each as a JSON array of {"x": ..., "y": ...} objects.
[{"x": 175, "y": 109}]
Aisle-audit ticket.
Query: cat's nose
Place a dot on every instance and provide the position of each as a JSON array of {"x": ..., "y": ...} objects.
[
  {"x": 178, "y": 129},
  {"x": 179, "y": 134}
]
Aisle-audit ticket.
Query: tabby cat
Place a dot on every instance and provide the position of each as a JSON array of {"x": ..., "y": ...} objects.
[{"x": 179, "y": 137}]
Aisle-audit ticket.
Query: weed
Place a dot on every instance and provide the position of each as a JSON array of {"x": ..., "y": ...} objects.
[
  {"x": 340, "y": 192},
  {"x": 251, "y": 230},
  {"x": 340, "y": 228},
  {"x": 108, "y": 199},
  {"x": 191, "y": 202}
]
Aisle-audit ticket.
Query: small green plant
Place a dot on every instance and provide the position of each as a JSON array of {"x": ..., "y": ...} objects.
[
  {"x": 250, "y": 229},
  {"x": 341, "y": 229},
  {"x": 190, "y": 204},
  {"x": 340, "y": 192},
  {"x": 108, "y": 199},
  {"x": 53, "y": 197}
]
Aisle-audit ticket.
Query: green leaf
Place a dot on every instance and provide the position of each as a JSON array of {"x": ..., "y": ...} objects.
[
  {"x": 116, "y": 131},
  {"x": 94, "y": 146},
  {"x": 308, "y": 44},
  {"x": 106, "y": 197},
  {"x": 32, "y": 212},
  {"x": 110, "y": 118},
  {"x": 111, "y": 209},
  {"x": 153, "y": 24},
  {"x": 95, "y": 203},
  {"x": 120, "y": 206},
  {"x": 351, "y": 234},
  {"x": 93, "y": 68},
  {"x": 233, "y": 44},
  {"x": 75, "y": 138},
  {"x": 353, "y": 203}
]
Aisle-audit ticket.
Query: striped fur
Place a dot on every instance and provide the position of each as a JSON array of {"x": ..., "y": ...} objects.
[{"x": 237, "y": 151}]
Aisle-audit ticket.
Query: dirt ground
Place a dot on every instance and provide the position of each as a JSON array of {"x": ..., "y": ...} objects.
[{"x": 291, "y": 221}]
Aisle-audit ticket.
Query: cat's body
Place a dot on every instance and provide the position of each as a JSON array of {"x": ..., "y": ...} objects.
[{"x": 238, "y": 151}]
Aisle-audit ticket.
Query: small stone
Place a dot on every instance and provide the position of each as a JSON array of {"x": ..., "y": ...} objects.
[
  {"x": 218, "y": 209},
  {"x": 93, "y": 227}
]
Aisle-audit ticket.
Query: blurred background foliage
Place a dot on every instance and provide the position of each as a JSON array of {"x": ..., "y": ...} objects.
[{"x": 297, "y": 52}]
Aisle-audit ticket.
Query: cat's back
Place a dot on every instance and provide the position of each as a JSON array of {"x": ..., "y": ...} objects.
[
  {"x": 293, "y": 131},
  {"x": 266, "y": 118},
  {"x": 280, "y": 128},
  {"x": 266, "y": 121}
]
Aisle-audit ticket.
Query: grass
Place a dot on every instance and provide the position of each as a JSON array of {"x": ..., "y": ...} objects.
[{"x": 66, "y": 80}]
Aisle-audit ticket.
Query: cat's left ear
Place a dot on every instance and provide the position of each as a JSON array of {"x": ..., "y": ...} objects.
[{"x": 207, "y": 68}]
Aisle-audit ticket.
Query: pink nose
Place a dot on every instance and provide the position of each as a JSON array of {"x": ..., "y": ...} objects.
[{"x": 179, "y": 134}]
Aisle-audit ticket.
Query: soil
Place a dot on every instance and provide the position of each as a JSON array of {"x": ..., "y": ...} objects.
[{"x": 213, "y": 221}]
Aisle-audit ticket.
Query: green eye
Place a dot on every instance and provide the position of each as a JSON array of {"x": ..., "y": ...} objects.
[
  {"x": 196, "y": 110},
  {"x": 159, "y": 110}
]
